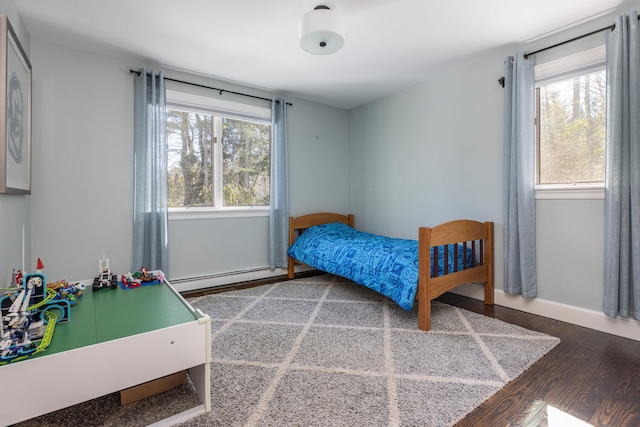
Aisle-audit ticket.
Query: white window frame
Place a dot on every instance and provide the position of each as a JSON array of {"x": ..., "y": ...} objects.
[
  {"x": 217, "y": 108},
  {"x": 561, "y": 69}
]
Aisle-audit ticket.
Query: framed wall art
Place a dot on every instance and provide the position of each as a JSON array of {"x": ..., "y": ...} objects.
[{"x": 15, "y": 113}]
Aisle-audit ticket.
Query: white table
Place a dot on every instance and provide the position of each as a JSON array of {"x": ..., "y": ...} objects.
[{"x": 115, "y": 339}]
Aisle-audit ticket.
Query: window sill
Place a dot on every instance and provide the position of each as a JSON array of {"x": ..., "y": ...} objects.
[
  {"x": 180, "y": 214},
  {"x": 570, "y": 192}
]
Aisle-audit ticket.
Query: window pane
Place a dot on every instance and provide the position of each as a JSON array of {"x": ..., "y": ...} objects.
[
  {"x": 572, "y": 130},
  {"x": 245, "y": 160},
  {"x": 189, "y": 137}
]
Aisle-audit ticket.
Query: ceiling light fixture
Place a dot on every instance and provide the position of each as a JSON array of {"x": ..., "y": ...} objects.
[{"x": 321, "y": 31}]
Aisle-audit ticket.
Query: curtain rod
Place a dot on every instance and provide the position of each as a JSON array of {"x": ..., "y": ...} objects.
[
  {"x": 526, "y": 55},
  {"x": 610, "y": 27},
  {"x": 213, "y": 88}
]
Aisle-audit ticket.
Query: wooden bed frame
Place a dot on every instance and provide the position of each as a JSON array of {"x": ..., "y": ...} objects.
[{"x": 466, "y": 233}]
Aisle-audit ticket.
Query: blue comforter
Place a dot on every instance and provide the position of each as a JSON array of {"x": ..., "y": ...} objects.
[{"x": 386, "y": 265}]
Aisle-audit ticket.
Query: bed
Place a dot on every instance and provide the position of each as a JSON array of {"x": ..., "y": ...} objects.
[{"x": 445, "y": 256}]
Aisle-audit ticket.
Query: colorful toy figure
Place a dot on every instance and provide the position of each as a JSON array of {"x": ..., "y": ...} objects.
[
  {"x": 105, "y": 278},
  {"x": 67, "y": 291},
  {"x": 145, "y": 276},
  {"x": 16, "y": 277},
  {"x": 128, "y": 281},
  {"x": 140, "y": 278}
]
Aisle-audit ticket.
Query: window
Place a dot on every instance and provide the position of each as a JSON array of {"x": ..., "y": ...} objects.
[
  {"x": 571, "y": 122},
  {"x": 571, "y": 129},
  {"x": 219, "y": 154}
]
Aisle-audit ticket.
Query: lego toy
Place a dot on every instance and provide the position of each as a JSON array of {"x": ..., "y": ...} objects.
[
  {"x": 145, "y": 276},
  {"x": 105, "y": 278},
  {"x": 127, "y": 281},
  {"x": 29, "y": 313},
  {"x": 16, "y": 277},
  {"x": 67, "y": 291},
  {"x": 24, "y": 316},
  {"x": 140, "y": 278}
]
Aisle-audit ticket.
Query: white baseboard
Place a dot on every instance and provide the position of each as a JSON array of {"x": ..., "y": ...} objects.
[{"x": 623, "y": 327}]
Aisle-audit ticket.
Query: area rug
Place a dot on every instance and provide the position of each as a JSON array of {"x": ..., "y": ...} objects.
[{"x": 323, "y": 351}]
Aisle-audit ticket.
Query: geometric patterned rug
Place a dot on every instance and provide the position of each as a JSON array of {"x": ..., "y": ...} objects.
[{"x": 323, "y": 351}]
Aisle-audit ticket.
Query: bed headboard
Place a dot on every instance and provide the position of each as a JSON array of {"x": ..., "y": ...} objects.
[
  {"x": 297, "y": 225},
  {"x": 306, "y": 221}
]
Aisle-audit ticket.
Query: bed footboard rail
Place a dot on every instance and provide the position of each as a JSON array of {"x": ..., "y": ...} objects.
[{"x": 462, "y": 234}]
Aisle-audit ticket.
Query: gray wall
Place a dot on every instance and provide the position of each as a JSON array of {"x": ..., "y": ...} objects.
[
  {"x": 434, "y": 153},
  {"x": 15, "y": 211},
  {"x": 431, "y": 154},
  {"x": 82, "y": 180},
  {"x": 82, "y": 161}
]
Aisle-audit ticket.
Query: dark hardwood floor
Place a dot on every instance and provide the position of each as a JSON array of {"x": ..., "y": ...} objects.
[{"x": 591, "y": 375}]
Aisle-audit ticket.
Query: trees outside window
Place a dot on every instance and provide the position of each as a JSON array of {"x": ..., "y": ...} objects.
[
  {"x": 216, "y": 160},
  {"x": 571, "y": 129}
]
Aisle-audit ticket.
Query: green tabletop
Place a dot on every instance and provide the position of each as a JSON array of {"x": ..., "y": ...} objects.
[
  {"x": 120, "y": 313},
  {"x": 110, "y": 314},
  {"x": 79, "y": 331}
]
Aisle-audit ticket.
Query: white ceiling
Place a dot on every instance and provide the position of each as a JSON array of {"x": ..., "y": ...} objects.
[{"x": 390, "y": 44}]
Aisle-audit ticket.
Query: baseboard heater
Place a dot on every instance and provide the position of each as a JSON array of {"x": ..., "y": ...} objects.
[{"x": 224, "y": 279}]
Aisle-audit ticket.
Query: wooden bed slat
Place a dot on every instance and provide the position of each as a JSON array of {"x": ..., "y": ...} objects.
[
  {"x": 457, "y": 231},
  {"x": 442, "y": 284}
]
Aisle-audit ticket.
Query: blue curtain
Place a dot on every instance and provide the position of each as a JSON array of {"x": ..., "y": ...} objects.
[
  {"x": 150, "y": 240},
  {"x": 622, "y": 177},
  {"x": 519, "y": 177},
  {"x": 279, "y": 192}
]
